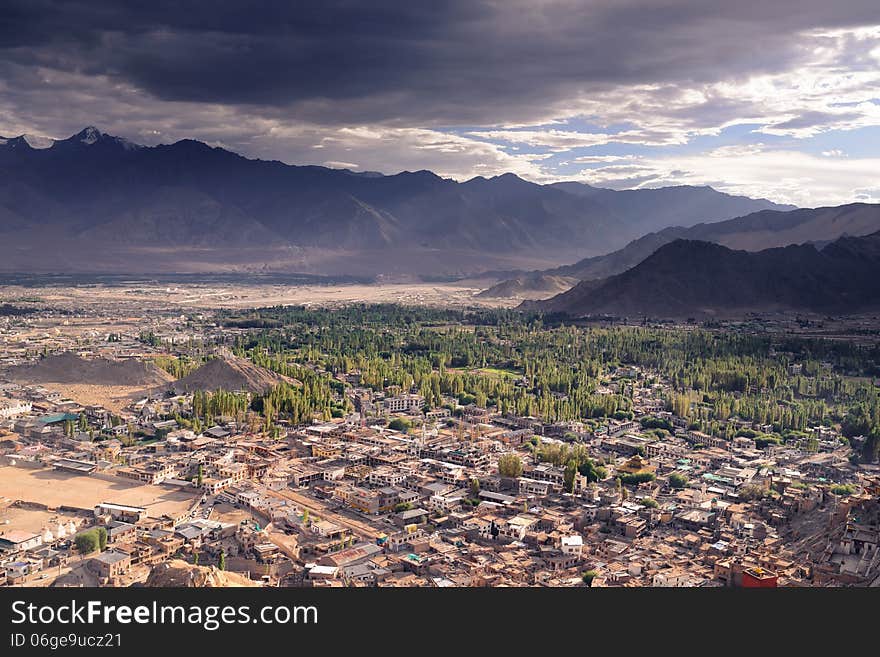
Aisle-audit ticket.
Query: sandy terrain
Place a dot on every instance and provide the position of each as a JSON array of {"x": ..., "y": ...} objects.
[
  {"x": 228, "y": 513},
  {"x": 139, "y": 297},
  {"x": 55, "y": 489},
  {"x": 32, "y": 520},
  {"x": 113, "y": 398}
]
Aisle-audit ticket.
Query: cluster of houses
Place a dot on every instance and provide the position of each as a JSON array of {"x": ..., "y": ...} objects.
[{"x": 355, "y": 502}]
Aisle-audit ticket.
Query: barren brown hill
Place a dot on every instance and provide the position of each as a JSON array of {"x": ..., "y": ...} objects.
[
  {"x": 688, "y": 278},
  {"x": 529, "y": 286},
  {"x": 229, "y": 373},
  {"x": 179, "y": 574},
  {"x": 753, "y": 232},
  {"x": 71, "y": 368}
]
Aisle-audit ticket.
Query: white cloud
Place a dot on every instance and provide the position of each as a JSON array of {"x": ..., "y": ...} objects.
[
  {"x": 781, "y": 175},
  {"x": 341, "y": 165},
  {"x": 557, "y": 140},
  {"x": 603, "y": 159}
]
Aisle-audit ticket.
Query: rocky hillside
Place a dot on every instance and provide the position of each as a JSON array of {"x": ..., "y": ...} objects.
[
  {"x": 689, "y": 279},
  {"x": 753, "y": 232},
  {"x": 229, "y": 373},
  {"x": 69, "y": 368},
  {"x": 529, "y": 286},
  {"x": 179, "y": 574}
]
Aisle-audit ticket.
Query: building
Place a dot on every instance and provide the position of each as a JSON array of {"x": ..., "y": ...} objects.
[
  {"x": 636, "y": 465},
  {"x": 10, "y": 408},
  {"x": 573, "y": 544},
  {"x": 110, "y": 564},
  {"x": 759, "y": 578},
  {"x": 130, "y": 514},
  {"x": 18, "y": 541},
  {"x": 403, "y": 403}
]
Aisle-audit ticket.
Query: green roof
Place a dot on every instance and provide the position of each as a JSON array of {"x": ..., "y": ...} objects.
[{"x": 57, "y": 417}]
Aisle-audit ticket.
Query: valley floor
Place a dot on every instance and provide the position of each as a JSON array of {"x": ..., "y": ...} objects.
[{"x": 138, "y": 296}]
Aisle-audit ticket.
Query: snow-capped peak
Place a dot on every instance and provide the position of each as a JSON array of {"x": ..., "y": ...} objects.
[
  {"x": 89, "y": 135},
  {"x": 37, "y": 141}
]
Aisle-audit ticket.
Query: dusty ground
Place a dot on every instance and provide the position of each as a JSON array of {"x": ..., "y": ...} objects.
[
  {"x": 55, "y": 489},
  {"x": 138, "y": 297},
  {"x": 228, "y": 513},
  {"x": 32, "y": 520},
  {"x": 113, "y": 398}
]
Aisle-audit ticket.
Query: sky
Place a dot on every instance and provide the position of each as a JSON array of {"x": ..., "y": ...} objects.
[{"x": 777, "y": 99}]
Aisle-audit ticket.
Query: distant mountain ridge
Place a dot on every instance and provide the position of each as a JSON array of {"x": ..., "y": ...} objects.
[
  {"x": 681, "y": 205},
  {"x": 692, "y": 278},
  {"x": 94, "y": 199}
]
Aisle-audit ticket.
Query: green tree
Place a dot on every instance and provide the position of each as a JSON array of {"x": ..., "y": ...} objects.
[
  {"x": 589, "y": 576},
  {"x": 221, "y": 564},
  {"x": 637, "y": 478},
  {"x": 199, "y": 477},
  {"x": 102, "y": 537},
  {"x": 677, "y": 480},
  {"x": 569, "y": 476},
  {"x": 751, "y": 492},
  {"x": 87, "y": 542},
  {"x": 510, "y": 465},
  {"x": 399, "y": 424}
]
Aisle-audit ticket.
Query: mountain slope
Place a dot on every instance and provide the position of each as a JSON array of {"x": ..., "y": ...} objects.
[
  {"x": 684, "y": 205},
  {"x": 92, "y": 192},
  {"x": 760, "y": 230},
  {"x": 536, "y": 285},
  {"x": 231, "y": 373},
  {"x": 68, "y": 367},
  {"x": 691, "y": 278}
]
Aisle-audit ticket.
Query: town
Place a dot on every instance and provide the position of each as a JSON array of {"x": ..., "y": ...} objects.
[{"x": 397, "y": 446}]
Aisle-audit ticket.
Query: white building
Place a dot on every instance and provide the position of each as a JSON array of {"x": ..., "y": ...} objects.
[
  {"x": 10, "y": 408},
  {"x": 573, "y": 544},
  {"x": 403, "y": 403}
]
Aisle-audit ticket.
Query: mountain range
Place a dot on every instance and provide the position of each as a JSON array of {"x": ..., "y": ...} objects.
[
  {"x": 95, "y": 202},
  {"x": 753, "y": 232},
  {"x": 687, "y": 278}
]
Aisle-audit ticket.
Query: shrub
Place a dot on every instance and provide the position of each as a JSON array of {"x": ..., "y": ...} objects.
[
  {"x": 637, "y": 478},
  {"x": 589, "y": 576},
  {"x": 399, "y": 424},
  {"x": 751, "y": 492}
]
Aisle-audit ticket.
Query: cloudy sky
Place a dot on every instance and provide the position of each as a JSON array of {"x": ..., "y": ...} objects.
[{"x": 771, "y": 98}]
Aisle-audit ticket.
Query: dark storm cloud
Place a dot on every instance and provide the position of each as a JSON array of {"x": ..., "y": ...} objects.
[{"x": 455, "y": 61}]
